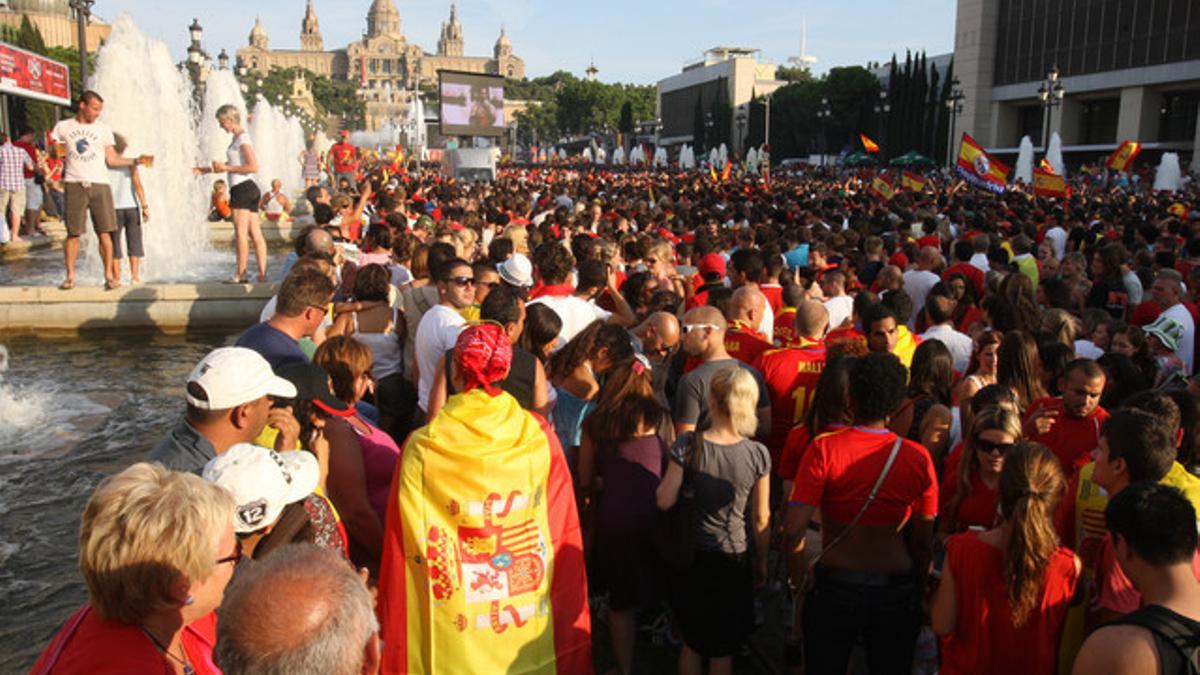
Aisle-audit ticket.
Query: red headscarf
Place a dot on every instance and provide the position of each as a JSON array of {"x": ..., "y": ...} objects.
[{"x": 483, "y": 354}]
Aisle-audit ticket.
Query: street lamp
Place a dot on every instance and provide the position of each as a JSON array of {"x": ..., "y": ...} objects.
[
  {"x": 955, "y": 106},
  {"x": 83, "y": 10},
  {"x": 823, "y": 115},
  {"x": 741, "y": 123},
  {"x": 1050, "y": 93},
  {"x": 223, "y": 60},
  {"x": 882, "y": 108}
]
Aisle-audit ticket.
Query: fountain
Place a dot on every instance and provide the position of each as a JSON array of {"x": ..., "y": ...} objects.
[
  {"x": 587, "y": 155},
  {"x": 1168, "y": 174},
  {"x": 1054, "y": 155},
  {"x": 722, "y": 156},
  {"x": 752, "y": 161},
  {"x": 660, "y": 157},
  {"x": 714, "y": 158},
  {"x": 1024, "y": 172},
  {"x": 278, "y": 142},
  {"x": 637, "y": 156},
  {"x": 687, "y": 157},
  {"x": 618, "y": 157},
  {"x": 601, "y": 156}
]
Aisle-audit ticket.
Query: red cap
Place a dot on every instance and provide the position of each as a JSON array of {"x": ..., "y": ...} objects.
[
  {"x": 712, "y": 263},
  {"x": 898, "y": 259}
]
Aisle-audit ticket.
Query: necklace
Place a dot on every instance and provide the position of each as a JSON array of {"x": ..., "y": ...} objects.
[{"x": 187, "y": 667}]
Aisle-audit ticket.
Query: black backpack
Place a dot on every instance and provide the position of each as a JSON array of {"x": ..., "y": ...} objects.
[{"x": 1176, "y": 636}]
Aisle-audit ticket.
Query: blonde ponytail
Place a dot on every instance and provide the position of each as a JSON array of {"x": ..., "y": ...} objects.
[{"x": 1031, "y": 483}]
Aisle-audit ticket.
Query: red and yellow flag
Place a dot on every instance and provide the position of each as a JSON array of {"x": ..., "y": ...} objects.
[
  {"x": 712, "y": 172},
  {"x": 1044, "y": 165},
  {"x": 725, "y": 171},
  {"x": 1122, "y": 158},
  {"x": 483, "y": 568},
  {"x": 912, "y": 181},
  {"x": 979, "y": 168},
  {"x": 868, "y": 144},
  {"x": 881, "y": 188},
  {"x": 1048, "y": 184}
]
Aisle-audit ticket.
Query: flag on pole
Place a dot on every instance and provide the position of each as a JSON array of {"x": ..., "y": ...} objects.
[
  {"x": 1048, "y": 184},
  {"x": 868, "y": 144},
  {"x": 979, "y": 168},
  {"x": 1044, "y": 165},
  {"x": 712, "y": 172},
  {"x": 725, "y": 171},
  {"x": 483, "y": 568},
  {"x": 880, "y": 187},
  {"x": 912, "y": 181},
  {"x": 1123, "y": 157}
]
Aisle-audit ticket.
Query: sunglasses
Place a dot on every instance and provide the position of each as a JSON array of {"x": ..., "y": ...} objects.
[
  {"x": 235, "y": 557},
  {"x": 462, "y": 281},
  {"x": 990, "y": 447},
  {"x": 489, "y": 284},
  {"x": 689, "y": 327}
]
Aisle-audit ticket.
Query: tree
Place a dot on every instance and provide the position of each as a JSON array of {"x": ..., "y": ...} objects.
[
  {"x": 797, "y": 74},
  {"x": 625, "y": 125}
]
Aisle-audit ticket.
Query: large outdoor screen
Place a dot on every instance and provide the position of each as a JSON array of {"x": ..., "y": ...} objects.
[{"x": 472, "y": 104}]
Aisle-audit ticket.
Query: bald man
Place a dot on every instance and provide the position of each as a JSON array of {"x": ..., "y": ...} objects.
[
  {"x": 743, "y": 341},
  {"x": 657, "y": 336},
  {"x": 301, "y": 609},
  {"x": 704, "y": 332},
  {"x": 791, "y": 374}
]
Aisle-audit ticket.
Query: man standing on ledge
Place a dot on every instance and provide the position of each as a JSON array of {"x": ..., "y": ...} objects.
[{"x": 86, "y": 144}]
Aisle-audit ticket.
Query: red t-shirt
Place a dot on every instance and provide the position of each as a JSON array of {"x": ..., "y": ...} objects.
[
  {"x": 838, "y": 471},
  {"x": 90, "y": 644},
  {"x": 32, "y": 152},
  {"x": 977, "y": 509},
  {"x": 1071, "y": 439},
  {"x": 798, "y": 440},
  {"x": 971, "y": 272},
  {"x": 984, "y": 638},
  {"x": 345, "y": 157},
  {"x": 791, "y": 375},
  {"x": 773, "y": 294},
  {"x": 1145, "y": 313},
  {"x": 785, "y": 327}
]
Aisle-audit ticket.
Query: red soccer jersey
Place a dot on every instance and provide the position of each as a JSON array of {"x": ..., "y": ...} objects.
[
  {"x": 839, "y": 469},
  {"x": 1071, "y": 439},
  {"x": 984, "y": 639},
  {"x": 791, "y": 375},
  {"x": 774, "y": 295},
  {"x": 345, "y": 157},
  {"x": 785, "y": 327},
  {"x": 798, "y": 440},
  {"x": 742, "y": 342}
]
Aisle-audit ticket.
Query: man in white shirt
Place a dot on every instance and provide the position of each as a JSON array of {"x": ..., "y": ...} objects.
[
  {"x": 1057, "y": 237},
  {"x": 940, "y": 311},
  {"x": 1167, "y": 291},
  {"x": 839, "y": 305},
  {"x": 579, "y": 309},
  {"x": 980, "y": 243},
  {"x": 918, "y": 282},
  {"x": 87, "y": 146},
  {"x": 440, "y": 326}
]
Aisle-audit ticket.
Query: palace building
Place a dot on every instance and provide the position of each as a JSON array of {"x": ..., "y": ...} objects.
[{"x": 386, "y": 66}]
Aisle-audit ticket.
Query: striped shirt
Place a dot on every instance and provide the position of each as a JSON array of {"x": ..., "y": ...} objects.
[{"x": 13, "y": 161}]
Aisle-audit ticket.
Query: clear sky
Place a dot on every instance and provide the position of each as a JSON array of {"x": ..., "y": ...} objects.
[{"x": 639, "y": 41}]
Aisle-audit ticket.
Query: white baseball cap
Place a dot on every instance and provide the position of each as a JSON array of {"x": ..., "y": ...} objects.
[
  {"x": 231, "y": 376},
  {"x": 262, "y": 482},
  {"x": 516, "y": 271}
]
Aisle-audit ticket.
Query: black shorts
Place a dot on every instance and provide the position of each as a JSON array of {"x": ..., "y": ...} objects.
[
  {"x": 714, "y": 603},
  {"x": 245, "y": 195}
]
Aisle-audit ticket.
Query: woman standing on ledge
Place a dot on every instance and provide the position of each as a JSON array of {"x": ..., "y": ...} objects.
[{"x": 241, "y": 164}]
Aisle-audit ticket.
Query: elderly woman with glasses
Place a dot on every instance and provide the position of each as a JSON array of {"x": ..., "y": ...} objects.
[
  {"x": 156, "y": 550},
  {"x": 970, "y": 479}
]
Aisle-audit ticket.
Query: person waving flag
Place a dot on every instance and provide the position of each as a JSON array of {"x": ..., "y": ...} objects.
[{"x": 868, "y": 144}]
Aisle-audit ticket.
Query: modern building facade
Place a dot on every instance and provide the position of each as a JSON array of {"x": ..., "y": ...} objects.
[
  {"x": 1129, "y": 70},
  {"x": 726, "y": 75},
  {"x": 385, "y": 65}
]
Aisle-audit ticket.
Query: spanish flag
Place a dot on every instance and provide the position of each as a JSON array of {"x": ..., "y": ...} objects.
[
  {"x": 1048, "y": 184},
  {"x": 483, "y": 568},
  {"x": 881, "y": 188},
  {"x": 712, "y": 171},
  {"x": 1044, "y": 165},
  {"x": 725, "y": 171},
  {"x": 1123, "y": 157},
  {"x": 978, "y": 168},
  {"x": 868, "y": 144},
  {"x": 912, "y": 181}
]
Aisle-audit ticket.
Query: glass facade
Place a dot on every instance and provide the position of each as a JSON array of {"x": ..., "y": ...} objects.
[
  {"x": 1091, "y": 36},
  {"x": 678, "y": 111},
  {"x": 1177, "y": 117}
]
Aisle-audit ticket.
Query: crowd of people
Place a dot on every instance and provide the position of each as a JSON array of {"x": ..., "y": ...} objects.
[{"x": 952, "y": 430}]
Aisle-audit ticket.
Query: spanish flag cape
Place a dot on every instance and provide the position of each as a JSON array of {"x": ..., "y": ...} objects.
[{"x": 483, "y": 567}]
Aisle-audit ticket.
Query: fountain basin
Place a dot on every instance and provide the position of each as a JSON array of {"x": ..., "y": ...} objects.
[{"x": 159, "y": 308}]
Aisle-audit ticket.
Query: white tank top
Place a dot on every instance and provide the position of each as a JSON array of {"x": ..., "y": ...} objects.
[
  {"x": 386, "y": 355},
  {"x": 233, "y": 156}
]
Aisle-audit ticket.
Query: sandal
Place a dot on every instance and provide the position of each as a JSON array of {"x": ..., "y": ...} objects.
[
  {"x": 112, "y": 285},
  {"x": 67, "y": 285}
]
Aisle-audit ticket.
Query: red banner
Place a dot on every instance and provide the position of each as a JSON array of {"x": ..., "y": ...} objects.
[{"x": 27, "y": 74}]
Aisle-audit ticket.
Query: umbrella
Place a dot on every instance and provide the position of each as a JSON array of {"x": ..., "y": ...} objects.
[
  {"x": 859, "y": 158},
  {"x": 912, "y": 158}
]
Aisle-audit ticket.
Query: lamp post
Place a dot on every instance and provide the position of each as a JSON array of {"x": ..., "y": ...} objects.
[
  {"x": 882, "y": 108},
  {"x": 1050, "y": 93},
  {"x": 823, "y": 115},
  {"x": 223, "y": 60},
  {"x": 955, "y": 106},
  {"x": 83, "y": 10},
  {"x": 741, "y": 119},
  {"x": 708, "y": 127}
]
